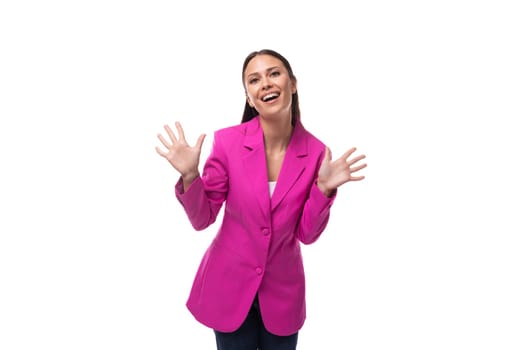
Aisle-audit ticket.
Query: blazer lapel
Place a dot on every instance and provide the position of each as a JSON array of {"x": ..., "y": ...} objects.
[
  {"x": 293, "y": 165},
  {"x": 254, "y": 162}
]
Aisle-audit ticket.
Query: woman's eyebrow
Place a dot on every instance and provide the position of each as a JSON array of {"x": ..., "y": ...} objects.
[{"x": 267, "y": 70}]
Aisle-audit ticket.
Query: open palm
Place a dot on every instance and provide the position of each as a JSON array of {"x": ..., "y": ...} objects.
[
  {"x": 183, "y": 157},
  {"x": 333, "y": 174}
]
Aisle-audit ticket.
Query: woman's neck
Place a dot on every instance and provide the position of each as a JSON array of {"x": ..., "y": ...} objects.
[{"x": 277, "y": 134}]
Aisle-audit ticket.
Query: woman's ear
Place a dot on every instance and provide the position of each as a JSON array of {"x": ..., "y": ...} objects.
[{"x": 249, "y": 101}]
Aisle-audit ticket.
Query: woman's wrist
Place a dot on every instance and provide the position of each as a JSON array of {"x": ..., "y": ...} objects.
[
  {"x": 188, "y": 178},
  {"x": 324, "y": 189}
]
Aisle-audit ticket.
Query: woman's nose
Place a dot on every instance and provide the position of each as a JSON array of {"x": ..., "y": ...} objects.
[{"x": 266, "y": 82}]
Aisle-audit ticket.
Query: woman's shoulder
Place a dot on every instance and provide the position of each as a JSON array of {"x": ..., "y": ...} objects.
[
  {"x": 227, "y": 130},
  {"x": 312, "y": 139},
  {"x": 237, "y": 130}
]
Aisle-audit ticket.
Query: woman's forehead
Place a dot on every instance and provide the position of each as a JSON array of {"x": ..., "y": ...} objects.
[{"x": 262, "y": 63}]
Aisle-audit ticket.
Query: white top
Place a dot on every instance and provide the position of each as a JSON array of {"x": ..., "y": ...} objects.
[{"x": 271, "y": 185}]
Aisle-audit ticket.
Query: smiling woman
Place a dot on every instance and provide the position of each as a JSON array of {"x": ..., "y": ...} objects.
[
  {"x": 250, "y": 285},
  {"x": 272, "y": 66}
]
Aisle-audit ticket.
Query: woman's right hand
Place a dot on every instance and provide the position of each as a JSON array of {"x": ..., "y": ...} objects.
[{"x": 183, "y": 157}]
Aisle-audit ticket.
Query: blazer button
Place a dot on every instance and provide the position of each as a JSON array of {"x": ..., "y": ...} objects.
[
  {"x": 258, "y": 270},
  {"x": 265, "y": 231}
]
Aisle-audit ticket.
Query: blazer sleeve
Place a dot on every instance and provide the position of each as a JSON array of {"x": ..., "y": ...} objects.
[
  {"x": 204, "y": 197},
  {"x": 316, "y": 210},
  {"x": 315, "y": 215}
]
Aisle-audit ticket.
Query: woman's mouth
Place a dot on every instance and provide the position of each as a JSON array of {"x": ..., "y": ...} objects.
[{"x": 270, "y": 97}]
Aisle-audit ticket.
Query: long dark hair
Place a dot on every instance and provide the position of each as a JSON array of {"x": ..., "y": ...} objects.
[{"x": 250, "y": 112}]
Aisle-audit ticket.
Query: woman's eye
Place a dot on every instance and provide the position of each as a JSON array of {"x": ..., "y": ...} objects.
[
  {"x": 253, "y": 80},
  {"x": 275, "y": 74}
]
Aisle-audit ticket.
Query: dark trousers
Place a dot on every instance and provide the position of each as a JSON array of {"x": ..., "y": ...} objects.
[{"x": 253, "y": 336}]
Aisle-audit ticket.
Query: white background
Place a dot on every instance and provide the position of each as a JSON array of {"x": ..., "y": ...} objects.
[{"x": 426, "y": 253}]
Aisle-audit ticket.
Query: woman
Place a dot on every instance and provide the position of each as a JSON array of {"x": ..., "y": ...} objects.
[{"x": 277, "y": 182}]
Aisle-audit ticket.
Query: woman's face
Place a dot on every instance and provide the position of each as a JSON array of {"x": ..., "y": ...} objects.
[{"x": 268, "y": 86}]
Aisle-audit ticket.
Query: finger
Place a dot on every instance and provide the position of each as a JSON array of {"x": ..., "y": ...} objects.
[
  {"x": 327, "y": 154},
  {"x": 181, "y": 132},
  {"x": 348, "y": 153},
  {"x": 170, "y": 133},
  {"x": 163, "y": 140},
  {"x": 200, "y": 141},
  {"x": 357, "y": 168},
  {"x": 355, "y": 160},
  {"x": 356, "y": 178},
  {"x": 160, "y": 152}
]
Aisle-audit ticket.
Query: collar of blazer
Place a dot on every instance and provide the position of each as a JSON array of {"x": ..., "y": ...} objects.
[{"x": 292, "y": 168}]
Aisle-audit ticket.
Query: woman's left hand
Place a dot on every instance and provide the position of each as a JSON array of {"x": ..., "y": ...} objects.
[{"x": 333, "y": 174}]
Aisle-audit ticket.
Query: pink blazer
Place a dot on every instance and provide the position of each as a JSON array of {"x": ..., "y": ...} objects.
[{"x": 257, "y": 246}]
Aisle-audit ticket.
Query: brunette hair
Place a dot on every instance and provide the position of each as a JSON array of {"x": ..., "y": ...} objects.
[{"x": 250, "y": 112}]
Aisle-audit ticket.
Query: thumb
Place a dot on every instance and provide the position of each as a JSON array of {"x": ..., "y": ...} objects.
[
  {"x": 200, "y": 141},
  {"x": 327, "y": 154}
]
